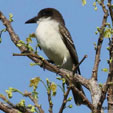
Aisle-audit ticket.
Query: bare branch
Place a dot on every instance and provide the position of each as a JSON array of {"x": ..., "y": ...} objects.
[
  {"x": 86, "y": 101},
  {"x": 64, "y": 100},
  {"x": 35, "y": 101},
  {"x": 100, "y": 41},
  {"x": 11, "y": 107},
  {"x": 110, "y": 82},
  {"x": 7, "y": 109},
  {"x": 110, "y": 10},
  {"x": 50, "y": 102}
]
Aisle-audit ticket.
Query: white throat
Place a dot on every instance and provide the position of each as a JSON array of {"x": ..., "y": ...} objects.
[{"x": 43, "y": 20}]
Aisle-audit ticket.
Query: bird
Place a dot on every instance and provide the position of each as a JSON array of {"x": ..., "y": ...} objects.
[{"x": 56, "y": 42}]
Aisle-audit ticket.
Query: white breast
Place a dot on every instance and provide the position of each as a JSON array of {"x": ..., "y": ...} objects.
[{"x": 50, "y": 40}]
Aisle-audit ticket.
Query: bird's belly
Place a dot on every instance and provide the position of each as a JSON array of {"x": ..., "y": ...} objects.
[{"x": 53, "y": 46}]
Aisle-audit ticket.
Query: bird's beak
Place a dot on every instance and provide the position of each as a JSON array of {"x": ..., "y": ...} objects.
[{"x": 32, "y": 20}]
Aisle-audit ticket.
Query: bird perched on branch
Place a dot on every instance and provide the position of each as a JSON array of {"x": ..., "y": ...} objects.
[{"x": 56, "y": 42}]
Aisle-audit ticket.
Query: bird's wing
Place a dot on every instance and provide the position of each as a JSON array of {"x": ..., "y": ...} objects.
[{"x": 66, "y": 37}]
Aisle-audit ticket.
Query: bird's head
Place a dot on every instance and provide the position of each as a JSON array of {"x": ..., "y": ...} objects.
[{"x": 47, "y": 13}]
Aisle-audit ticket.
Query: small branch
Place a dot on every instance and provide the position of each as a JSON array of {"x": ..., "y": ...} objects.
[
  {"x": 100, "y": 41},
  {"x": 12, "y": 106},
  {"x": 110, "y": 10},
  {"x": 64, "y": 100},
  {"x": 34, "y": 101},
  {"x": 110, "y": 82},
  {"x": 103, "y": 96},
  {"x": 62, "y": 72},
  {"x": 5, "y": 108},
  {"x": 6, "y": 100},
  {"x": 86, "y": 101},
  {"x": 75, "y": 68},
  {"x": 50, "y": 102},
  {"x": 106, "y": 86}
]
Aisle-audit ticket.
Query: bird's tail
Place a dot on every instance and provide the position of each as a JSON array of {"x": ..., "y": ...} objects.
[{"x": 77, "y": 98}]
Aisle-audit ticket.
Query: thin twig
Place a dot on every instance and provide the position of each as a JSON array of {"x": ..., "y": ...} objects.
[
  {"x": 6, "y": 100},
  {"x": 100, "y": 41},
  {"x": 64, "y": 100},
  {"x": 5, "y": 108},
  {"x": 85, "y": 100},
  {"x": 35, "y": 101},
  {"x": 75, "y": 68},
  {"x": 110, "y": 82},
  {"x": 50, "y": 102},
  {"x": 12, "y": 106},
  {"x": 110, "y": 10}
]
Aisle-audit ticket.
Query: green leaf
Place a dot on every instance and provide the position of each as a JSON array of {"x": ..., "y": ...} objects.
[
  {"x": 0, "y": 39},
  {"x": 95, "y": 45},
  {"x": 100, "y": 85},
  {"x": 33, "y": 64},
  {"x": 41, "y": 57},
  {"x": 29, "y": 47},
  {"x": 108, "y": 48},
  {"x": 63, "y": 80},
  {"x": 29, "y": 40},
  {"x": 70, "y": 106},
  {"x": 9, "y": 93},
  {"x": 96, "y": 32},
  {"x": 69, "y": 99},
  {"x": 107, "y": 32},
  {"x": 35, "y": 94},
  {"x": 94, "y": 4},
  {"x": 83, "y": 2},
  {"x": 47, "y": 80},
  {"x": 53, "y": 87},
  {"x": 22, "y": 103},
  {"x": 10, "y": 17},
  {"x": 110, "y": 60},
  {"x": 34, "y": 82},
  {"x": 21, "y": 41},
  {"x": 105, "y": 69},
  {"x": 95, "y": 8},
  {"x": 32, "y": 108},
  {"x": 32, "y": 35},
  {"x": 108, "y": 24},
  {"x": 59, "y": 78},
  {"x": 98, "y": 29},
  {"x": 19, "y": 45}
]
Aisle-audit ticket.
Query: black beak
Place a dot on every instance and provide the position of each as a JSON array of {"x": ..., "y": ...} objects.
[{"x": 32, "y": 20}]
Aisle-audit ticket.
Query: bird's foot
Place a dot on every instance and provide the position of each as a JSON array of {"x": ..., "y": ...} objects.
[{"x": 50, "y": 61}]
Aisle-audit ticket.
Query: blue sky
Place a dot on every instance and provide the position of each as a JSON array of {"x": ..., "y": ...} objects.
[{"x": 80, "y": 21}]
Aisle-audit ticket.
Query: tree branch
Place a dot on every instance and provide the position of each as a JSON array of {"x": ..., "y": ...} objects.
[
  {"x": 100, "y": 41},
  {"x": 35, "y": 101},
  {"x": 7, "y": 109},
  {"x": 110, "y": 82},
  {"x": 110, "y": 10},
  {"x": 50, "y": 102},
  {"x": 64, "y": 100},
  {"x": 10, "y": 108}
]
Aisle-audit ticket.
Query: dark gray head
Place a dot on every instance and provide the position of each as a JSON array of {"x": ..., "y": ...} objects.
[{"x": 46, "y": 13}]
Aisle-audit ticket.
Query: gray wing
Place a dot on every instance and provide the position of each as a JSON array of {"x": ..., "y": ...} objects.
[{"x": 66, "y": 37}]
